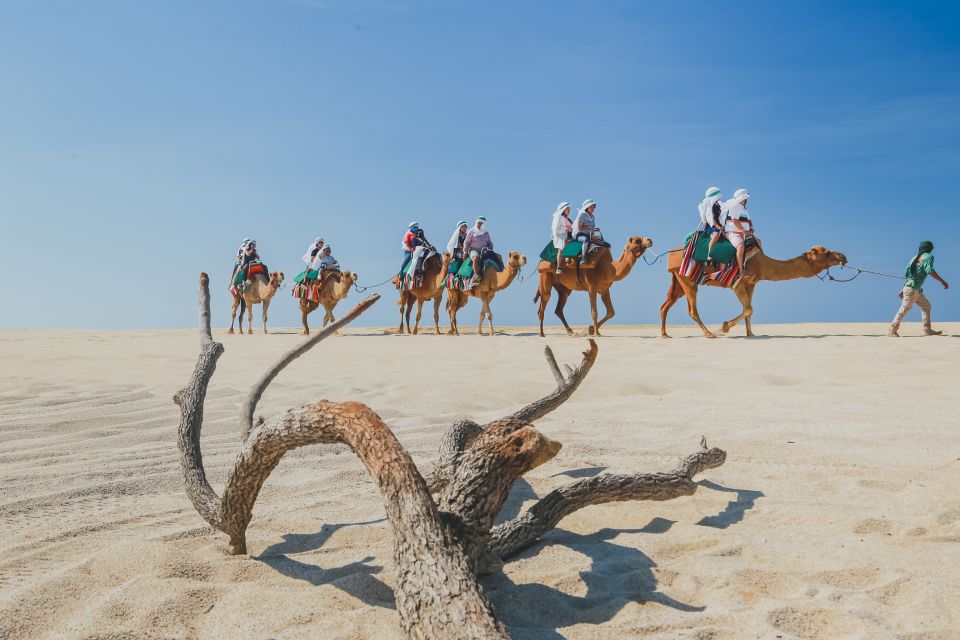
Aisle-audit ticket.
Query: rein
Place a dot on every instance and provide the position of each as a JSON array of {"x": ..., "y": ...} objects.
[
  {"x": 829, "y": 276},
  {"x": 657, "y": 257}
]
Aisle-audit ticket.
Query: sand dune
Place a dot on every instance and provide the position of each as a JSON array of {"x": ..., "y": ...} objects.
[{"x": 836, "y": 515}]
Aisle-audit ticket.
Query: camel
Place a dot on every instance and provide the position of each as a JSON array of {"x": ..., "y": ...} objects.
[
  {"x": 334, "y": 290},
  {"x": 595, "y": 281},
  {"x": 260, "y": 291},
  {"x": 434, "y": 273},
  {"x": 758, "y": 268},
  {"x": 485, "y": 290}
]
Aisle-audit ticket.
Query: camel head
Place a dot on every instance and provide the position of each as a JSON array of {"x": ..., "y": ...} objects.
[
  {"x": 348, "y": 278},
  {"x": 447, "y": 259},
  {"x": 276, "y": 279},
  {"x": 822, "y": 258},
  {"x": 515, "y": 260},
  {"x": 636, "y": 245}
]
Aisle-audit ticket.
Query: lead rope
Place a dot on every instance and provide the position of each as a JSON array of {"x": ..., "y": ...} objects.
[
  {"x": 656, "y": 259},
  {"x": 372, "y": 286},
  {"x": 829, "y": 276}
]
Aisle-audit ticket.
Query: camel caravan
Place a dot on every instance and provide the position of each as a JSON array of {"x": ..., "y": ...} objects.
[{"x": 723, "y": 251}]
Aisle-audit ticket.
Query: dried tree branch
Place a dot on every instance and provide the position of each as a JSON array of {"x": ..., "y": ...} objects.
[
  {"x": 554, "y": 367},
  {"x": 250, "y": 406},
  {"x": 503, "y": 452},
  {"x": 523, "y": 531},
  {"x": 438, "y": 547},
  {"x": 459, "y": 437},
  {"x": 190, "y": 399}
]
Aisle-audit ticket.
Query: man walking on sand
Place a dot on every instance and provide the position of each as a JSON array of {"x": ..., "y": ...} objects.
[{"x": 917, "y": 271}]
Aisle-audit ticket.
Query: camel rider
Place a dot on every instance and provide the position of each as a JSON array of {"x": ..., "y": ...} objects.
[
  {"x": 248, "y": 256},
  {"x": 238, "y": 261},
  {"x": 585, "y": 226},
  {"x": 477, "y": 240},
  {"x": 455, "y": 245},
  {"x": 917, "y": 271},
  {"x": 710, "y": 209},
  {"x": 411, "y": 240},
  {"x": 737, "y": 225},
  {"x": 325, "y": 260},
  {"x": 561, "y": 230},
  {"x": 312, "y": 251}
]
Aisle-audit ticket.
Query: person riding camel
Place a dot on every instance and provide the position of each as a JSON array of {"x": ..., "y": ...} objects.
[
  {"x": 455, "y": 245},
  {"x": 921, "y": 266},
  {"x": 561, "y": 230},
  {"x": 476, "y": 242},
  {"x": 411, "y": 240},
  {"x": 248, "y": 256},
  {"x": 585, "y": 226},
  {"x": 710, "y": 210},
  {"x": 237, "y": 262},
  {"x": 737, "y": 224},
  {"x": 312, "y": 251}
]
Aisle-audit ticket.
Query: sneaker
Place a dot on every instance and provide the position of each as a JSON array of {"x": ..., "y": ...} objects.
[
  {"x": 892, "y": 333},
  {"x": 927, "y": 331}
]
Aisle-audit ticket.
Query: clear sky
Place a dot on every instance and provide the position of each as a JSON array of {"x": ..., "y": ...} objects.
[{"x": 140, "y": 142}]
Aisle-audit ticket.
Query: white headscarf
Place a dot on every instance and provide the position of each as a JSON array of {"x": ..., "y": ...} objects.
[
  {"x": 558, "y": 229},
  {"x": 308, "y": 255},
  {"x": 455, "y": 238},
  {"x": 732, "y": 207},
  {"x": 706, "y": 206}
]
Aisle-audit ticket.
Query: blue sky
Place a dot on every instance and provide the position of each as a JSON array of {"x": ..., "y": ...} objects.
[{"x": 140, "y": 142}]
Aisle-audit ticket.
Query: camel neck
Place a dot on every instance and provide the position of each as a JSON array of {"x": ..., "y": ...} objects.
[
  {"x": 623, "y": 265},
  {"x": 505, "y": 279},
  {"x": 792, "y": 269}
]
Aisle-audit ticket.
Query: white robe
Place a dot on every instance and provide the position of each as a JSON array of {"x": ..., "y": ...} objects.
[{"x": 559, "y": 231}]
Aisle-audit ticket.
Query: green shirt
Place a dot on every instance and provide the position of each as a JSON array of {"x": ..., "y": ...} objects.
[{"x": 916, "y": 274}]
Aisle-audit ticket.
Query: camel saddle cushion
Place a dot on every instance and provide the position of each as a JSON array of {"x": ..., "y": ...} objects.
[
  {"x": 723, "y": 251},
  {"x": 569, "y": 257},
  {"x": 490, "y": 258}
]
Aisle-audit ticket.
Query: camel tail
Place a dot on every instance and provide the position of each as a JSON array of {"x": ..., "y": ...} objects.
[{"x": 536, "y": 297}]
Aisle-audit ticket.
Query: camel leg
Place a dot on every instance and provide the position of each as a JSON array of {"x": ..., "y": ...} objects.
[
  {"x": 745, "y": 297},
  {"x": 436, "y": 313},
  {"x": 303, "y": 318},
  {"x": 691, "y": 292},
  {"x": 749, "y": 319},
  {"x": 674, "y": 293},
  {"x": 607, "y": 307},
  {"x": 233, "y": 315},
  {"x": 485, "y": 312},
  {"x": 544, "y": 299},
  {"x": 490, "y": 315},
  {"x": 249, "y": 319},
  {"x": 265, "y": 304},
  {"x": 409, "y": 309},
  {"x": 416, "y": 325},
  {"x": 452, "y": 312},
  {"x": 562, "y": 296},
  {"x": 594, "y": 328}
]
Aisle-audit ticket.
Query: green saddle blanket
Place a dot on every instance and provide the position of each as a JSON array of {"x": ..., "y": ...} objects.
[
  {"x": 466, "y": 269},
  {"x": 306, "y": 274},
  {"x": 723, "y": 251},
  {"x": 572, "y": 250}
]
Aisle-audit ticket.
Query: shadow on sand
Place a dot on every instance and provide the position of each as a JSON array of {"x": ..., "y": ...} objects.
[
  {"x": 356, "y": 578},
  {"x": 618, "y": 574}
]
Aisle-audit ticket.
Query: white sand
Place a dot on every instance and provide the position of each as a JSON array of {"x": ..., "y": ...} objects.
[{"x": 837, "y": 514}]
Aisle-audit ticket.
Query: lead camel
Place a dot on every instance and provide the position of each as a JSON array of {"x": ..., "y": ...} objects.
[{"x": 760, "y": 267}]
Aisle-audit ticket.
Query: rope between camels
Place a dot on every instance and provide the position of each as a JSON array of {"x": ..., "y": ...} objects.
[
  {"x": 829, "y": 276},
  {"x": 372, "y": 286},
  {"x": 659, "y": 255}
]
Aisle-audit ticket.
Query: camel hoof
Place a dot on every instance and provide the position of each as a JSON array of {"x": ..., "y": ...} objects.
[
  {"x": 710, "y": 335},
  {"x": 304, "y": 333},
  {"x": 250, "y": 333},
  {"x": 665, "y": 336},
  {"x": 230, "y": 331},
  {"x": 725, "y": 328}
]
